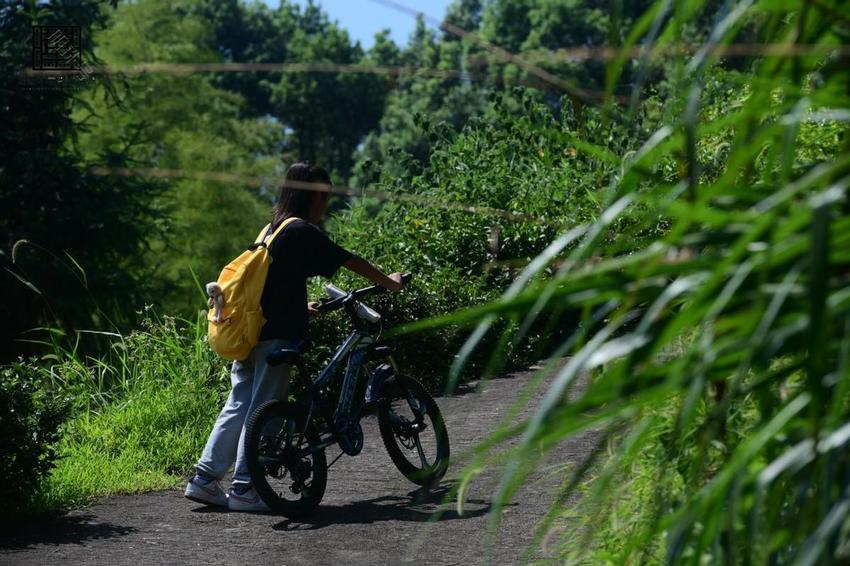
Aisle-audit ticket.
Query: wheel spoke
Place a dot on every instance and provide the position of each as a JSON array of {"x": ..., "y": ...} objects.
[
  {"x": 410, "y": 414},
  {"x": 416, "y": 406},
  {"x": 421, "y": 452}
]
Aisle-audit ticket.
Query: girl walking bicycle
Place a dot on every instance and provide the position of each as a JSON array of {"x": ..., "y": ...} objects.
[{"x": 301, "y": 251}]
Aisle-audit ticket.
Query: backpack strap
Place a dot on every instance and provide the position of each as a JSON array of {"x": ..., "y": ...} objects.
[
  {"x": 264, "y": 239},
  {"x": 269, "y": 239},
  {"x": 259, "y": 239}
]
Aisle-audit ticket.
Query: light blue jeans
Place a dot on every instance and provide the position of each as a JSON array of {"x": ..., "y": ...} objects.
[{"x": 253, "y": 382}]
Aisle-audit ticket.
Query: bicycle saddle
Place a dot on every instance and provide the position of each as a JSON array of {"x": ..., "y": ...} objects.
[{"x": 291, "y": 356}]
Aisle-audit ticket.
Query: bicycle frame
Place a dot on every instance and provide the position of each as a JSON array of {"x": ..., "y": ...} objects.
[
  {"x": 351, "y": 352},
  {"x": 367, "y": 327}
]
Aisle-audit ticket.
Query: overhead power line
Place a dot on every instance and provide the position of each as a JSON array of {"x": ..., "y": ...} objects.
[
  {"x": 572, "y": 54},
  {"x": 394, "y": 71},
  {"x": 258, "y": 181}
]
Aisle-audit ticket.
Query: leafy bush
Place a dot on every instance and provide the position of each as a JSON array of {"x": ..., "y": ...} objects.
[
  {"x": 491, "y": 197},
  {"x": 30, "y": 425}
]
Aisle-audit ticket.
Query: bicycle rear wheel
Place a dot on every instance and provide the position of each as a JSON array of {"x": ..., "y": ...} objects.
[
  {"x": 287, "y": 470},
  {"x": 413, "y": 431}
]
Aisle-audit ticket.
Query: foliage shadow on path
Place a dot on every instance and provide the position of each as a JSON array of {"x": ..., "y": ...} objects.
[
  {"x": 60, "y": 530},
  {"x": 420, "y": 505}
]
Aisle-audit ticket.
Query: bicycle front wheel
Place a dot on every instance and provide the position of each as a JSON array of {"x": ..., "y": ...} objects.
[
  {"x": 414, "y": 432},
  {"x": 287, "y": 469}
]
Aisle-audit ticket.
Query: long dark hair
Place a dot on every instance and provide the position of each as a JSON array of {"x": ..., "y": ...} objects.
[{"x": 295, "y": 199}]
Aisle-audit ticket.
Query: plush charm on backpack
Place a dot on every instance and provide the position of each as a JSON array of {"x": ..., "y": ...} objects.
[{"x": 235, "y": 317}]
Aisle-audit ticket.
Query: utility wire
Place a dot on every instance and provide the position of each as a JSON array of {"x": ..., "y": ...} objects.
[{"x": 257, "y": 181}]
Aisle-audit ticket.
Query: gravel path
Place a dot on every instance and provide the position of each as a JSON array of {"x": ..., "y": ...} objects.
[{"x": 370, "y": 513}]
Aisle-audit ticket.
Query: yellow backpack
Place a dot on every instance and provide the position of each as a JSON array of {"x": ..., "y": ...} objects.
[{"x": 235, "y": 317}]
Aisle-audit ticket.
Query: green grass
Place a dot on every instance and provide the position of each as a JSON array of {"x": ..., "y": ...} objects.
[
  {"x": 625, "y": 493},
  {"x": 148, "y": 440},
  {"x": 141, "y": 414},
  {"x": 719, "y": 346}
]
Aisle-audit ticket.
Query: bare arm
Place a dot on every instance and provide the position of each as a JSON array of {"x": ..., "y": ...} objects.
[{"x": 362, "y": 267}]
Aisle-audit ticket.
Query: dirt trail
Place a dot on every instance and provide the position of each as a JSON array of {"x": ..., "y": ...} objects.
[{"x": 370, "y": 514}]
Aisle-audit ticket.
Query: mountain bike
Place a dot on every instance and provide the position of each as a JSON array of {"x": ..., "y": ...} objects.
[{"x": 286, "y": 440}]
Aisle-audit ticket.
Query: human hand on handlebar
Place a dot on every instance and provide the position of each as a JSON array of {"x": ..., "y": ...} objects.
[
  {"x": 362, "y": 267},
  {"x": 396, "y": 277},
  {"x": 313, "y": 308}
]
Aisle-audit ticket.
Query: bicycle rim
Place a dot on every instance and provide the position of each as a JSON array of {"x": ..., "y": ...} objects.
[{"x": 287, "y": 471}]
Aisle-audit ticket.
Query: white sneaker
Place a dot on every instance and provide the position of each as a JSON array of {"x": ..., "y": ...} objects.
[
  {"x": 246, "y": 501},
  {"x": 204, "y": 491}
]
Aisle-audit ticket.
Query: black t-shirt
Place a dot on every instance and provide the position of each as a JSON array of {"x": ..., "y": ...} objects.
[{"x": 300, "y": 251}]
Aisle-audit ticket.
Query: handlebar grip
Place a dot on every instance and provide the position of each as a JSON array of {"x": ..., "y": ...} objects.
[
  {"x": 334, "y": 292},
  {"x": 325, "y": 306}
]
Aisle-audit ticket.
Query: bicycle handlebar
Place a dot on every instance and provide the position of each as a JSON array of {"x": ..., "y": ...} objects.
[{"x": 325, "y": 306}]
